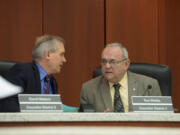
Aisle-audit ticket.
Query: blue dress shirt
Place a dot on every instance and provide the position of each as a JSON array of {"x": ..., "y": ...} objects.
[{"x": 43, "y": 74}]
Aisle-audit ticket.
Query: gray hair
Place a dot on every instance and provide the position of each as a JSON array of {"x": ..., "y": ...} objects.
[
  {"x": 45, "y": 43},
  {"x": 124, "y": 50}
]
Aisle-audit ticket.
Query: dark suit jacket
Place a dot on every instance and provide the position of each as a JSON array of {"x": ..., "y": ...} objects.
[
  {"x": 97, "y": 93},
  {"x": 27, "y": 76}
]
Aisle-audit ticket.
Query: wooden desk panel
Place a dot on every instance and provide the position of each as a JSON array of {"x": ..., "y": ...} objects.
[{"x": 126, "y": 124}]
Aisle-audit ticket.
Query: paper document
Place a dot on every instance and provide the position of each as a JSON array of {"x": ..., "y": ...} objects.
[{"x": 8, "y": 89}]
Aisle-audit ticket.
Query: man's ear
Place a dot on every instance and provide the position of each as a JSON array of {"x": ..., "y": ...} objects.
[{"x": 127, "y": 63}]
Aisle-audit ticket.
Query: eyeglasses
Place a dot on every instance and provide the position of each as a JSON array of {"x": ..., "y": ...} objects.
[{"x": 112, "y": 62}]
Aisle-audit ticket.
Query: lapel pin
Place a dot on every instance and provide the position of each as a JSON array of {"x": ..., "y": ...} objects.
[{"x": 134, "y": 89}]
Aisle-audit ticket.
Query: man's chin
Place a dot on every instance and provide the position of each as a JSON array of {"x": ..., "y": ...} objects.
[
  {"x": 109, "y": 78},
  {"x": 57, "y": 71}
]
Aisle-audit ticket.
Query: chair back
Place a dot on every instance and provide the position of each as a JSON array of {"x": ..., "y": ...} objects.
[
  {"x": 161, "y": 73},
  {"x": 5, "y": 66}
]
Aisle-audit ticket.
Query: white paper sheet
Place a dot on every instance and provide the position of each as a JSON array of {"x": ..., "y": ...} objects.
[{"x": 8, "y": 89}]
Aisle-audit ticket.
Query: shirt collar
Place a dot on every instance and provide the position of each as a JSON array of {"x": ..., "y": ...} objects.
[
  {"x": 42, "y": 72},
  {"x": 121, "y": 82}
]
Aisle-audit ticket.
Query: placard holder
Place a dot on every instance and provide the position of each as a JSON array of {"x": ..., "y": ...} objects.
[
  {"x": 152, "y": 104},
  {"x": 43, "y": 103}
]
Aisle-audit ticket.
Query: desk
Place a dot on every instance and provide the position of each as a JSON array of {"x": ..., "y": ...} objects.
[{"x": 91, "y": 119}]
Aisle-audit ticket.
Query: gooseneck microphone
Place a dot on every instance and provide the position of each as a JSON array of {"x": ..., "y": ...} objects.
[{"x": 147, "y": 90}]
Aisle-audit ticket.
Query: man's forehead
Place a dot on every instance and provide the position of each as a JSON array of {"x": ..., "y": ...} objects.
[
  {"x": 59, "y": 45},
  {"x": 113, "y": 51}
]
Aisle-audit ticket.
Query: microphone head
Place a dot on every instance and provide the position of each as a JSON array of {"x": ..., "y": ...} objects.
[{"x": 149, "y": 86}]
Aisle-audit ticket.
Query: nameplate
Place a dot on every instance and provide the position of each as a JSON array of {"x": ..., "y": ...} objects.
[
  {"x": 152, "y": 104},
  {"x": 40, "y": 103}
]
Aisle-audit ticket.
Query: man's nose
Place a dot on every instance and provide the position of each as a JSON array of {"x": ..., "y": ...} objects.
[
  {"x": 107, "y": 65},
  {"x": 64, "y": 59}
]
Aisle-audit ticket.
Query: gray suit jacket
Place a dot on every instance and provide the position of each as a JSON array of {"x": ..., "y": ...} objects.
[{"x": 96, "y": 91}]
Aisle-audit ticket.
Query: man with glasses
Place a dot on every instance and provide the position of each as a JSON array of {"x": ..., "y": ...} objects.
[{"x": 112, "y": 91}]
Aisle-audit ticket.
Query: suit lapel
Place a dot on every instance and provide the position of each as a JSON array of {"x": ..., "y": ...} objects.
[
  {"x": 106, "y": 96},
  {"x": 37, "y": 80},
  {"x": 132, "y": 88}
]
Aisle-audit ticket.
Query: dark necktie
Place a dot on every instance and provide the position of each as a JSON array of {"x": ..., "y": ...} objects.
[
  {"x": 46, "y": 84},
  {"x": 118, "y": 105}
]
